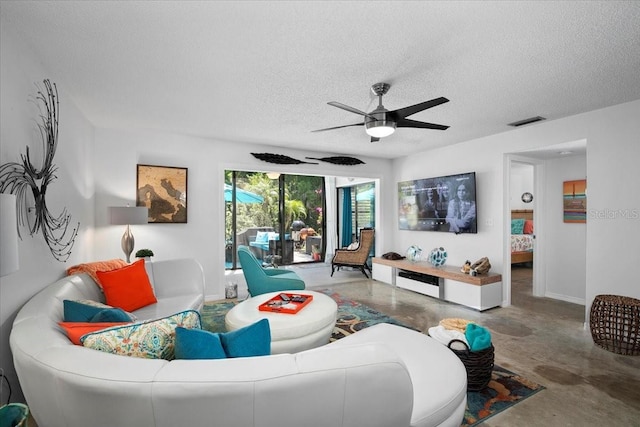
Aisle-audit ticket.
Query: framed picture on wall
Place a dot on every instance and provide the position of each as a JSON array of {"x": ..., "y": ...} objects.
[
  {"x": 574, "y": 201},
  {"x": 163, "y": 190}
]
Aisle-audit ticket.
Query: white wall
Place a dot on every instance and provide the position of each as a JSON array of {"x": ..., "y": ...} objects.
[
  {"x": 613, "y": 215},
  {"x": 565, "y": 258},
  {"x": 118, "y": 152},
  {"x": 521, "y": 182},
  {"x": 73, "y": 188},
  {"x": 466, "y": 157}
]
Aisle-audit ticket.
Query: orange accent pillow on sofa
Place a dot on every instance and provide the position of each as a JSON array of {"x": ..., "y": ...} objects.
[
  {"x": 128, "y": 288},
  {"x": 75, "y": 330},
  {"x": 91, "y": 268}
]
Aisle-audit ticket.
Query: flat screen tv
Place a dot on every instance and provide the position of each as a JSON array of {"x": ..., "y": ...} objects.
[{"x": 445, "y": 203}]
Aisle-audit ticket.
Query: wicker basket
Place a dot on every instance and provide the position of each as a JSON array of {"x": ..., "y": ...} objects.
[
  {"x": 615, "y": 324},
  {"x": 15, "y": 414},
  {"x": 479, "y": 365}
]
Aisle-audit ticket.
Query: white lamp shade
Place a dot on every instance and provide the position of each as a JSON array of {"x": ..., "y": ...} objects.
[
  {"x": 129, "y": 215},
  {"x": 8, "y": 235},
  {"x": 380, "y": 129}
]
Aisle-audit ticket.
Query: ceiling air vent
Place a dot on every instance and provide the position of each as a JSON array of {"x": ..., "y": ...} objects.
[{"x": 527, "y": 121}]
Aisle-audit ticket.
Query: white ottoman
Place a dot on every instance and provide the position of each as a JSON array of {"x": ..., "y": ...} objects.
[{"x": 290, "y": 333}]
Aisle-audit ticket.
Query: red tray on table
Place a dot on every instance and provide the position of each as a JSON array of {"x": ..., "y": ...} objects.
[{"x": 286, "y": 302}]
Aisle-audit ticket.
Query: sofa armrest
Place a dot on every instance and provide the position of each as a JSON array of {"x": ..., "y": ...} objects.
[{"x": 176, "y": 277}]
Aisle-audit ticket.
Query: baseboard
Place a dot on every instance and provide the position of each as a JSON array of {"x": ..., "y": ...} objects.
[{"x": 566, "y": 298}]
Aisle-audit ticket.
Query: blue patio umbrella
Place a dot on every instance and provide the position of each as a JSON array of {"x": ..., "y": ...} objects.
[{"x": 242, "y": 196}]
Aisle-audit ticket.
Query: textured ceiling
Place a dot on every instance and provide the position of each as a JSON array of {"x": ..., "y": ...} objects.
[{"x": 262, "y": 72}]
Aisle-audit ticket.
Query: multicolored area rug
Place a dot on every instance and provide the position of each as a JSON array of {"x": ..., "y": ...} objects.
[{"x": 504, "y": 390}]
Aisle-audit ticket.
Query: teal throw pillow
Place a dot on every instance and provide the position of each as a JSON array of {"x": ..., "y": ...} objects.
[
  {"x": 92, "y": 311},
  {"x": 252, "y": 340},
  {"x": 517, "y": 226},
  {"x": 111, "y": 315},
  {"x": 198, "y": 344},
  {"x": 75, "y": 311}
]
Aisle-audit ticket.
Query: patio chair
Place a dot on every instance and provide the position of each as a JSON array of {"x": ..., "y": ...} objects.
[
  {"x": 262, "y": 280},
  {"x": 356, "y": 258}
]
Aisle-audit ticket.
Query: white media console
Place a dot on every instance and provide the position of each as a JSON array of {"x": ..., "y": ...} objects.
[{"x": 481, "y": 292}]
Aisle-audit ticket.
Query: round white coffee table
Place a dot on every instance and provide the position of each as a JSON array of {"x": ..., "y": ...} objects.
[{"x": 290, "y": 333}]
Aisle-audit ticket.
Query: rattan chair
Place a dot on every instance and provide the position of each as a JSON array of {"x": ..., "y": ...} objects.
[{"x": 356, "y": 258}]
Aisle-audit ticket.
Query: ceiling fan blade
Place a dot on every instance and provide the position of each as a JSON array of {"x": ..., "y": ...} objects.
[
  {"x": 350, "y": 109},
  {"x": 337, "y": 127},
  {"x": 406, "y": 123},
  {"x": 407, "y": 111}
]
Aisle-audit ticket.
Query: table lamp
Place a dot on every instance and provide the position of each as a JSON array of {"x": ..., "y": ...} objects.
[
  {"x": 8, "y": 235},
  {"x": 128, "y": 215}
]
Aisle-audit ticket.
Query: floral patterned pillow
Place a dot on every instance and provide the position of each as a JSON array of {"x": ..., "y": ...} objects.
[{"x": 154, "y": 339}]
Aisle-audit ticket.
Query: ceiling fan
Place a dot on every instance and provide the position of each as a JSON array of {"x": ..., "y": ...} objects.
[{"x": 382, "y": 122}]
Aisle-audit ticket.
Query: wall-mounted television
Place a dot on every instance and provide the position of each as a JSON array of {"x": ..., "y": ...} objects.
[{"x": 444, "y": 203}]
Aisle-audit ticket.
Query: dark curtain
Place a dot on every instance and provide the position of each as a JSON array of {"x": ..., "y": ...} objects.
[{"x": 347, "y": 228}]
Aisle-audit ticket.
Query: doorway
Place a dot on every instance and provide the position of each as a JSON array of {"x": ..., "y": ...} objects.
[
  {"x": 522, "y": 207},
  {"x": 559, "y": 248},
  {"x": 524, "y": 179}
]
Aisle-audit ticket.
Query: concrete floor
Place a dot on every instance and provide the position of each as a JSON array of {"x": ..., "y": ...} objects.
[{"x": 542, "y": 339}]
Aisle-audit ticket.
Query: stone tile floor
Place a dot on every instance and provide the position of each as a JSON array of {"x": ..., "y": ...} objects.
[{"x": 542, "y": 339}]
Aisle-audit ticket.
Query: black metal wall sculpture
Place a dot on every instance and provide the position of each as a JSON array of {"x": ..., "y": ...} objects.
[{"x": 22, "y": 178}]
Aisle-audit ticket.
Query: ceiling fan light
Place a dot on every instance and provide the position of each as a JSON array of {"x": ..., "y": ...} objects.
[{"x": 380, "y": 128}]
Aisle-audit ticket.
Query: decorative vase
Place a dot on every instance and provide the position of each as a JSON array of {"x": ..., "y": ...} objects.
[
  {"x": 438, "y": 256},
  {"x": 414, "y": 253}
]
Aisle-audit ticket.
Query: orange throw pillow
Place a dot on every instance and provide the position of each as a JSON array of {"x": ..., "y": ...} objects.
[
  {"x": 91, "y": 268},
  {"x": 127, "y": 288},
  {"x": 75, "y": 330}
]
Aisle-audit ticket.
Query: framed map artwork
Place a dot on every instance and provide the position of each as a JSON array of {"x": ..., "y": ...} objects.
[{"x": 163, "y": 190}]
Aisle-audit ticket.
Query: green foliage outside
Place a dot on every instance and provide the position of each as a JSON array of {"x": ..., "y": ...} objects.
[{"x": 303, "y": 201}]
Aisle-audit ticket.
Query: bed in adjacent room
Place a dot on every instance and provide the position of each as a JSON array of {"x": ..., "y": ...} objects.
[{"x": 522, "y": 237}]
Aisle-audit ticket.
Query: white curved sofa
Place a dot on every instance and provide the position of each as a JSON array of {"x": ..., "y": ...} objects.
[{"x": 385, "y": 375}]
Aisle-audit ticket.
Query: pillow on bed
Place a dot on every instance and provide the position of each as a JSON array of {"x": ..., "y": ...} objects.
[
  {"x": 517, "y": 226},
  {"x": 528, "y": 227}
]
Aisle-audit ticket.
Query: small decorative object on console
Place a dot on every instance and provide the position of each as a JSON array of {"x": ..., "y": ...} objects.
[
  {"x": 481, "y": 266},
  {"x": 286, "y": 303},
  {"x": 438, "y": 256},
  {"x": 394, "y": 256},
  {"x": 466, "y": 268},
  {"x": 414, "y": 253}
]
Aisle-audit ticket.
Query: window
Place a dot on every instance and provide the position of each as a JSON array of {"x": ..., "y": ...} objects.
[{"x": 280, "y": 218}]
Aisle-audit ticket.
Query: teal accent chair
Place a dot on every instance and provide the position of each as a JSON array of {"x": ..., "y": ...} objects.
[{"x": 262, "y": 280}]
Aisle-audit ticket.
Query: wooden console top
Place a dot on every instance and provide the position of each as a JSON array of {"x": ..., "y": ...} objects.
[{"x": 445, "y": 271}]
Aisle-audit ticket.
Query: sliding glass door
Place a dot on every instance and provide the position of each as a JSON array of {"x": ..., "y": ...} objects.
[{"x": 278, "y": 216}]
